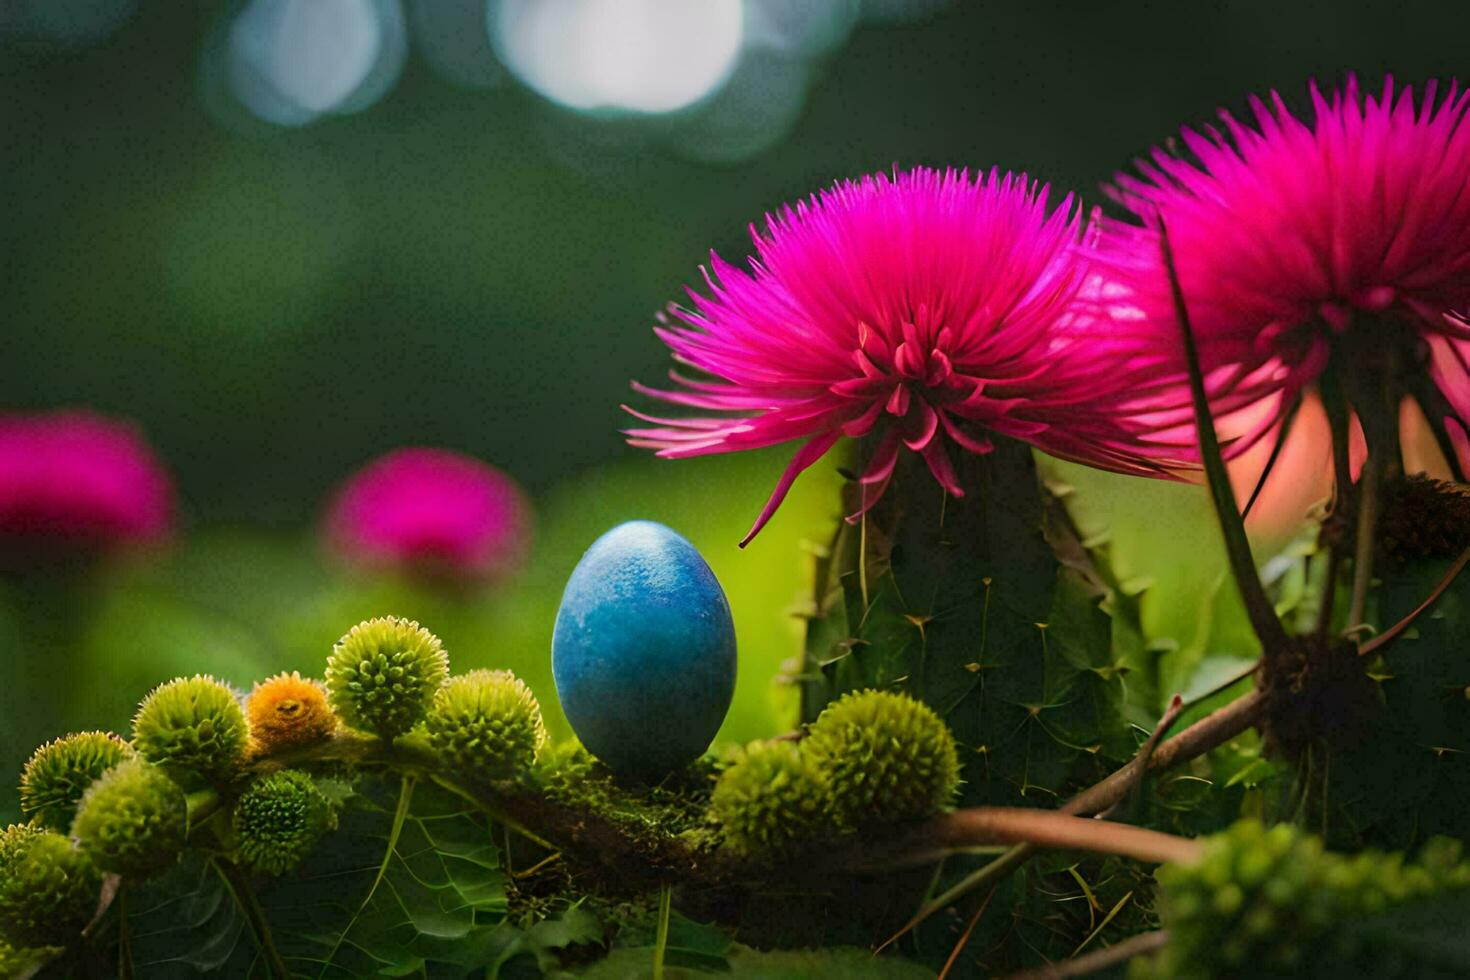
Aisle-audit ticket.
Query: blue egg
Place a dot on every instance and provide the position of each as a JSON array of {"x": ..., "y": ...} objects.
[{"x": 644, "y": 651}]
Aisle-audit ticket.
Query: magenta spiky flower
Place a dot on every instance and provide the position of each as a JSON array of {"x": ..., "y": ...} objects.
[
  {"x": 432, "y": 511},
  {"x": 1289, "y": 235},
  {"x": 76, "y": 479},
  {"x": 928, "y": 309}
]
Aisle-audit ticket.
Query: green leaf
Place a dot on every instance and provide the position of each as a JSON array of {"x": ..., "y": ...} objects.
[
  {"x": 185, "y": 923},
  {"x": 441, "y": 900}
]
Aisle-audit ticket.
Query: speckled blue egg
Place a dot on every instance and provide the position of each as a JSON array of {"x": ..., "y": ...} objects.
[{"x": 644, "y": 651}]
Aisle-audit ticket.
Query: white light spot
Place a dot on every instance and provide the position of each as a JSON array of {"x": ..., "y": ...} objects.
[
  {"x": 647, "y": 56},
  {"x": 291, "y": 61}
]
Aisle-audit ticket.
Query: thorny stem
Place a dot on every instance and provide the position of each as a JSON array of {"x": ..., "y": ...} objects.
[{"x": 1258, "y": 606}]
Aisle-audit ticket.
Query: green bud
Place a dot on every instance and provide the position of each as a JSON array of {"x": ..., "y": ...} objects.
[
  {"x": 887, "y": 757},
  {"x": 48, "y": 889},
  {"x": 278, "y": 819},
  {"x": 192, "y": 725},
  {"x": 383, "y": 674},
  {"x": 487, "y": 725},
  {"x": 60, "y": 771},
  {"x": 773, "y": 798},
  {"x": 133, "y": 820}
]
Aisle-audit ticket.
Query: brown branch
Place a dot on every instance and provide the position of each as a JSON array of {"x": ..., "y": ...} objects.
[
  {"x": 1213, "y": 730},
  {"x": 1081, "y": 966},
  {"x": 1146, "y": 751},
  {"x": 982, "y": 825}
]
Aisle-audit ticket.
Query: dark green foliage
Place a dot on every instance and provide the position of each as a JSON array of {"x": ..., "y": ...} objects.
[
  {"x": 1275, "y": 903},
  {"x": 1409, "y": 777}
]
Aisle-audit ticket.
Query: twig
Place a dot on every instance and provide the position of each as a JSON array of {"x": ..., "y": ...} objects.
[
  {"x": 1040, "y": 828},
  {"x": 1379, "y": 641},
  {"x": 1081, "y": 966},
  {"x": 1237, "y": 546},
  {"x": 959, "y": 947},
  {"x": 1215, "y": 729},
  {"x": 1171, "y": 714}
]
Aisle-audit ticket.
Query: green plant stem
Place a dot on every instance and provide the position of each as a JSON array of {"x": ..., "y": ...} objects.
[
  {"x": 661, "y": 940},
  {"x": 1262, "y": 614}
]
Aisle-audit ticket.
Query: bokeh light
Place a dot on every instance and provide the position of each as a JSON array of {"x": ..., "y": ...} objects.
[
  {"x": 291, "y": 61},
  {"x": 752, "y": 113},
  {"x": 800, "y": 27},
  {"x": 641, "y": 56}
]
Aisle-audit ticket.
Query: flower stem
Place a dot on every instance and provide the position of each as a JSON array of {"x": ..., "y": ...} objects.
[
  {"x": 1258, "y": 606},
  {"x": 661, "y": 940}
]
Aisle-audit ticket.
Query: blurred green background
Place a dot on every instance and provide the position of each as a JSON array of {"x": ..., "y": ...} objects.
[{"x": 463, "y": 262}]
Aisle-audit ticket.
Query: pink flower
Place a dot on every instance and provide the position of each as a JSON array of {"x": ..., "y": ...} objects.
[
  {"x": 1289, "y": 237},
  {"x": 927, "y": 309},
  {"x": 79, "y": 479},
  {"x": 431, "y": 510}
]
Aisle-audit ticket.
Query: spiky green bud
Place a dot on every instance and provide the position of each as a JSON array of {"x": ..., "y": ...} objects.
[
  {"x": 60, "y": 771},
  {"x": 48, "y": 889},
  {"x": 486, "y": 724},
  {"x": 1265, "y": 901},
  {"x": 133, "y": 820},
  {"x": 771, "y": 799},
  {"x": 382, "y": 675},
  {"x": 192, "y": 725},
  {"x": 278, "y": 820},
  {"x": 887, "y": 757}
]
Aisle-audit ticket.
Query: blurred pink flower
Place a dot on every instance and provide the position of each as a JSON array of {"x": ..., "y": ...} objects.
[
  {"x": 929, "y": 309},
  {"x": 434, "y": 511},
  {"x": 1288, "y": 235},
  {"x": 73, "y": 478}
]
